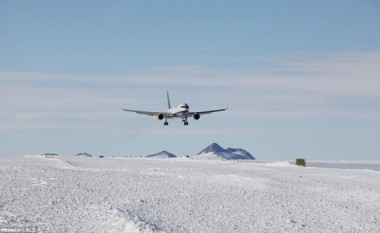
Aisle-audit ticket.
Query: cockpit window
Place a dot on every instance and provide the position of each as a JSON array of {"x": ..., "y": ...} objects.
[{"x": 184, "y": 106}]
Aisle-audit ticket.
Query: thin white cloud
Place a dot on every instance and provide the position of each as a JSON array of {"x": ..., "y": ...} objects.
[
  {"x": 338, "y": 73},
  {"x": 298, "y": 86}
]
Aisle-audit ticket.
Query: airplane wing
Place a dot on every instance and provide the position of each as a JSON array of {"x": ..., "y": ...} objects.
[
  {"x": 206, "y": 112},
  {"x": 165, "y": 114}
]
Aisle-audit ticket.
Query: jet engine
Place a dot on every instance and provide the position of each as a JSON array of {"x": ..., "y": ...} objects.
[
  {"x": 160, "y": 116},
  {"x": 196, "y": 116}
]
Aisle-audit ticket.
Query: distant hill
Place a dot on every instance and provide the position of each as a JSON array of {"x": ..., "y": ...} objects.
[
  {"x": 48, "y": 155},
  {"x": 84, "y": 154},
  {"x": 162, "y": 154},
  {"x": 214, "y": 151}
]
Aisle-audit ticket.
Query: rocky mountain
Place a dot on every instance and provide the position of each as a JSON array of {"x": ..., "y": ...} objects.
[
  {"x": 214, "y": 151},
  {"x": 162, "y": 154},
  {"x": 48, "y": 155},
  {"x": 84, "y": 154}
]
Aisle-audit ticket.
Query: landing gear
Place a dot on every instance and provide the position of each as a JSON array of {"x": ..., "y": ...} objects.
[
  {"x": 166, "y": 122},
  {"x": 185, "y": 122}
]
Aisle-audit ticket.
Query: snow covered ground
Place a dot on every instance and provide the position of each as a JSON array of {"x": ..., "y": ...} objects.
[{"x": 76, "y": 194}]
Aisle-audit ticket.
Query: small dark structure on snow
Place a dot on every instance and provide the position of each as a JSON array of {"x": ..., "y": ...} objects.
[{"x": 301, "y": 162}]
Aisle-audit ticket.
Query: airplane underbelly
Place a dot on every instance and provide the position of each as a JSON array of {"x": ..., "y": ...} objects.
[{"x": 180, "y": 114}]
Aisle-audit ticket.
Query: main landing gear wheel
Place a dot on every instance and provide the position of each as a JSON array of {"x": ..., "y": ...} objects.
[
  {"x": 166, "y": 123},
  {"x": 185, "y": 122}
]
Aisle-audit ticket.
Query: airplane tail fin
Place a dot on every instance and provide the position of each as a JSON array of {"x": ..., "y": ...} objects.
[{"x": 167, "y": 95}]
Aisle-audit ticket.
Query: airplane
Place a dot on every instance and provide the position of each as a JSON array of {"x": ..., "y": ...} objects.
[{"x": 182, "y": 111}]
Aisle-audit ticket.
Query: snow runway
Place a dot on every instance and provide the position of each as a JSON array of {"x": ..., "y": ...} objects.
[{"x": 70, "y": 194}]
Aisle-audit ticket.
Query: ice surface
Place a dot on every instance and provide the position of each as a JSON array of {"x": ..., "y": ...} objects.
[
  {"x": 78, "y": 194},
  {"x": 370, "y": 165}
]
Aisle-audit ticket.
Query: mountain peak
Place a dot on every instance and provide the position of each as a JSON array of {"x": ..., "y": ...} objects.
[
  {"x": 162, "y": 154},
  {"x": 214, "y": 147},
  {"x": 214, "y": 150},
  {"x": 84, "y": 154}
]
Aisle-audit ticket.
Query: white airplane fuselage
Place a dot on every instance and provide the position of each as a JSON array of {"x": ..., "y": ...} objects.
[{"x": 182, "y": 111}]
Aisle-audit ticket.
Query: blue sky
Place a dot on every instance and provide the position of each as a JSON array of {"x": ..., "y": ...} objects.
[{"x": 301, "y": 78}]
